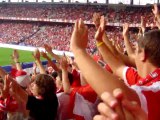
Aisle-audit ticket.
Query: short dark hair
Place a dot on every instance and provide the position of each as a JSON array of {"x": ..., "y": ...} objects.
[
  {"x": 54, "y": 74},
  {"x": 150, "y": 41},
  {"x": 46, "y": 85},
  {"x": 70, "y": 76}
]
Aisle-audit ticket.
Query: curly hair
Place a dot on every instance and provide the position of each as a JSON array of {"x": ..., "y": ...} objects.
[{"x": 46, "y": 85}]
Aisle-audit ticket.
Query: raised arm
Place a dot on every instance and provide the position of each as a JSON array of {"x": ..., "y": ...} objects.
[
  {"x": 97, "y": 20},
  {"x": 155, "y": 11},
  {"x": 2, "y": 73},
  {"x": 113, "y": 61},
  {"x": 17, "y": 91},
  {"x": 65, "y": 79},
  {"x": 97, "y": 77},
  {"x": 36, "y": 56},
  {"x": 53, "y": 65},
  {"x": 49, "y": 50},
  {"x": 143, "y": 24},
  {"x": 127, "y": 43},
  {"x": 15, "y": 56}
]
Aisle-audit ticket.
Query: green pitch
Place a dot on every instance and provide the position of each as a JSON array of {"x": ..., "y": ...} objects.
[{"x": 5, "y": 56}]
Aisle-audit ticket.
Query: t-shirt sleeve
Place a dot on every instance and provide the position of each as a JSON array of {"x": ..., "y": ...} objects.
[
  {"x": 130, "y": 76},
  {"x": 149, "y": 97}
]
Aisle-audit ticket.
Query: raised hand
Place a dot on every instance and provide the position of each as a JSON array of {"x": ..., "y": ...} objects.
[
  {"x": 64, "y": 63},
  {"x": 4, "y": 88},
  {"x": 34, "y": 66},
  {"x": 125, "y": 29},
  {"x": 79, "y": 38},
  {"x": 43, "y": 54},
  {"x": 155, "y": 10},
  {"x": 13, "y": 85},
  {"x": 157, "y": 22},
  {"x": 48, "y": 48},
  {"x": 36, "y": 54},
  {"x": 143, "y": 24},
  {"x": 15, "y": 54},
  {"x": 101, "y": 29},
  {"x": 96, "y": 19}
]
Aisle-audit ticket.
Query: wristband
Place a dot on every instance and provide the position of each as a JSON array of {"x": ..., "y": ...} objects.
[{"x": 99, "y": 44}]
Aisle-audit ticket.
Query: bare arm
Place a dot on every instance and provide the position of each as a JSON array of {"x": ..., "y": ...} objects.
[
  {"x": 36, "y": 56},
  {"x": 143, "y": 24},
  {"x": 97, "y": 77},
  {"x": 15, "y": 56},
  {"x": 156, "y": 12},
  {"x": 65, "y": 79},
  {"x": 114, "y": 62},
  {"x": 54, "y": 66},
  {"x": 17, "y": 91},
  {"x": 96, "y": 19},
  {"x": 49, "y": 50},
  {"x": 127, "y": 43},
  {"x": 2, "y": 73},
  {"x": 157, "y": 22}
]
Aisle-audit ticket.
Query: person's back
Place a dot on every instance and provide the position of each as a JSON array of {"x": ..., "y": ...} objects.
[
  {"x": 43, "y": 109},
  {"x": 43, "y": 104}
]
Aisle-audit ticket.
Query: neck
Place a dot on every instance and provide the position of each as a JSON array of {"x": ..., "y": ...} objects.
[
  {"x": 39, "y": 97},
  {"x": 146, "y": 69}
]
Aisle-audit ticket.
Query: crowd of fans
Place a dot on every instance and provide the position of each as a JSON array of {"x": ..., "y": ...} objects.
[
  {"x": 36, "y": 34},
  {"x": 14, "y": 33},
  {"x": 72, "y": 12},
  {"x": 58, "y": 36},
  {"x": 120, "y": 80}
]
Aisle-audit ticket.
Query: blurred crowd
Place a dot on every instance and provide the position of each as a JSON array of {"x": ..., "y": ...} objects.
[
  {"x": 114, "y": 74},
  {"x": 130, "y": 14}
]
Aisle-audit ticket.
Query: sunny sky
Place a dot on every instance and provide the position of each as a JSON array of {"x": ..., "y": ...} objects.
[{"x": 137, "y": 2}]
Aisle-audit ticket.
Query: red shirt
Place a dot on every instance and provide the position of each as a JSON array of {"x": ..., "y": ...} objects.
[
  {"x": 8, "y": 104},
  {"x": 76, "y": 78},
  {"x": 83, "y": 103},
  {"x": 148, "y": 90}
]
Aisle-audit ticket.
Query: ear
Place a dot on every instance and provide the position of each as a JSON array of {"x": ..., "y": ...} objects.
[{"x": 142, "y": 55}]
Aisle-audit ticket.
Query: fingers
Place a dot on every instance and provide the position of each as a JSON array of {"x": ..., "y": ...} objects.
[
  {"x": 107, "y": 111},
  {"x": 81, "y": 24},
  {"x": 118, "y": 93},
  {"x": 101, "y": 117},
  {"x": 125, "y": 28},
  {"x": 76, "y": 25},
  {"x": 102, "y": 23},
  {"x": 109, "y": 104},
  {"x": 130, "y": 105},
  {"x": 109, "y": 99}
]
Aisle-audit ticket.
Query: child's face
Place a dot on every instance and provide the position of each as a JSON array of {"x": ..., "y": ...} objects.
[
  {"x": 58, "y": 82},
  {"x": 34, "y": 89}
]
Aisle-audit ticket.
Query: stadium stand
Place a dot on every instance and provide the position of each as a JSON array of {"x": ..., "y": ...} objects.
[{"x": 48, "y": 30}]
